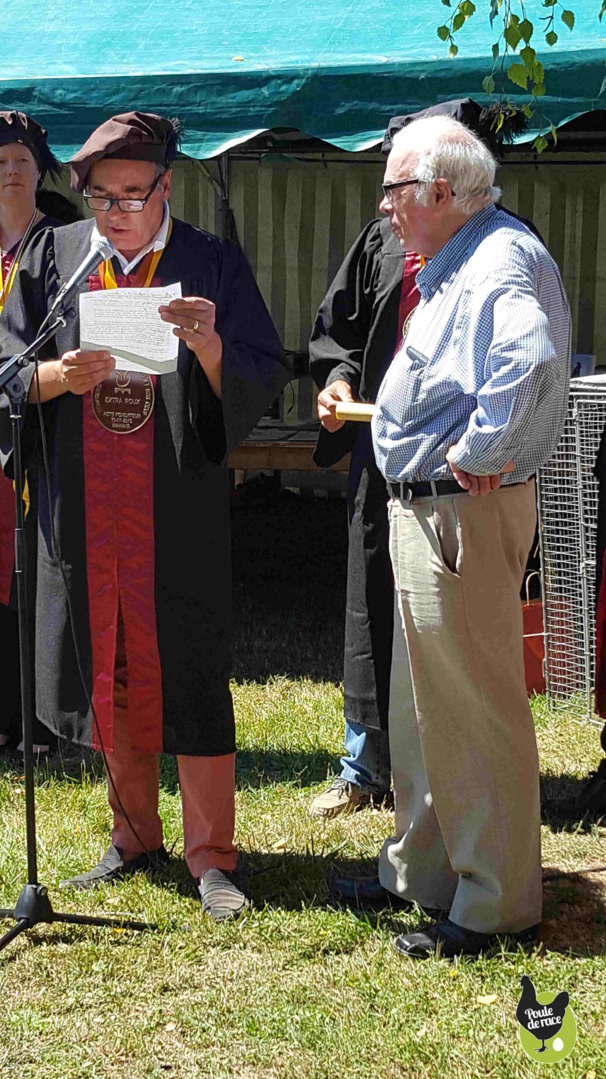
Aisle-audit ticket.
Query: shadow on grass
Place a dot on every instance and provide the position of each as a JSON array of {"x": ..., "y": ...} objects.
[
  {"x": 255, "y": 768},
  {"x": 574, "y": 917},
  {"x": 262, "y": 767},
  {"x": 68, "y": 762},
  {"x": 561, "y": 804},
  {"x": 258, "y": 768},
  {"x": 291, "y": 880}
]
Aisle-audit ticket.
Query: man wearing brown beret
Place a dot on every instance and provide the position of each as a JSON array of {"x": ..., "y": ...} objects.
[{"x": 141, "y": 515}]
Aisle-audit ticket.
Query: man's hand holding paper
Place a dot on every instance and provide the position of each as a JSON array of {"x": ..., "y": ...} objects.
[
  {"x": 128, "y": 324},
  {"x": 194, "y": 320}
]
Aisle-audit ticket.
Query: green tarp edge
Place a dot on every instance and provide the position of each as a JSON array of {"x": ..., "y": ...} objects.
[{"x": 347, "y": 107}]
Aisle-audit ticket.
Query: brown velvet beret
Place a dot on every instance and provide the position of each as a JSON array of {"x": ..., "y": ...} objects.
[
  {"x": 19, "y": 127},
  {"x": 133, "y": 136}
]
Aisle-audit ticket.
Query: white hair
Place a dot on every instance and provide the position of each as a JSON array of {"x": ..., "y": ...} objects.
[{"x": 447, "y": 150}]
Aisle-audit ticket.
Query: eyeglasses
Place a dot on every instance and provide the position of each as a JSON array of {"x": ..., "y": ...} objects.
[
  {"x": 128, "y": 206},
  {"x": 388, "y": 188}
]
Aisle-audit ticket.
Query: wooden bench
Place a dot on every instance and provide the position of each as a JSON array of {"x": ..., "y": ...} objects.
[{"x": 279, "y": 447}]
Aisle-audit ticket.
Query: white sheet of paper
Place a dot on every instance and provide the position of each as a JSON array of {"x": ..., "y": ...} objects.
[{"x": 125, "y": 321}]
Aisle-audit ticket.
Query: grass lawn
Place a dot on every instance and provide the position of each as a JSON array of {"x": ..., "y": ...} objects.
[{"x": 297, "y": 987}]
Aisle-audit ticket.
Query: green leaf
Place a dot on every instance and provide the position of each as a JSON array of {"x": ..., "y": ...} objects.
[
  {"x": 453, "y": 50},
  {"x": 526, "y": 29},
  {"x": 552, "y": 37},
  {"x": 528, "y": 113},
  {"x": 538, "y": 90},
  {"x": 446, "y": 3},
  {"x": 488, "y": 84},
  {"x": 540, "y": 144},
  {"x": 458, "y": 21},
  {"x": 518, "y": 74},
  {"x": 549, "y": 3},
  {"x": 568, "y": 19},
  {"x": 513, "y": 36},
  {"x": 538, "y": 72},
  {"x": 500, "y": 122},
  {"x": 513, "y": 20},
  {"x": 602, "y": 10},
  {"x": 467, "y": 8},
  {"x": 554, "y": 134},
  {"x": 443, "y": 33},
  {"x": 495, "y": 48},
  {"x": 528, "y": 55}
]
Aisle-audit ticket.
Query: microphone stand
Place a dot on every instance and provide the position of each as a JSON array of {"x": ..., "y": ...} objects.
[{"x": 33, "y": 905}]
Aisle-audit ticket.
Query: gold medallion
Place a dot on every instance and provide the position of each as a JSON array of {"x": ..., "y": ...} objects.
[{"x": 123, "y": 402}]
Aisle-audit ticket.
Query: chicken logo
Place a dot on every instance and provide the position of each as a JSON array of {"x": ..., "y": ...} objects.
[{"x": 548, "y": 1029}]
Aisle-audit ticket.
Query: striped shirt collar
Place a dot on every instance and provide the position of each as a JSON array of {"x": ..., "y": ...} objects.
[{"x": 451, "y": 255}]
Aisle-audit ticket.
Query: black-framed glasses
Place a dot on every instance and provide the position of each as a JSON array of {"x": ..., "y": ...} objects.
[
  {"x": 388, "y": 188},
  {"x": 128, "y": 206}
]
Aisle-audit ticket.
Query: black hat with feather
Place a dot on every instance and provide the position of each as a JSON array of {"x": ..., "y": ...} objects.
[{"x": 483, "y": 122}]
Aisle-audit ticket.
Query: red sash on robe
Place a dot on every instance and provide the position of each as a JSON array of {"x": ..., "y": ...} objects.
[
  {"x": 410, "y": 295},
  {"x": 120, "y": 552},
  {"x": 7, "y": 499}
]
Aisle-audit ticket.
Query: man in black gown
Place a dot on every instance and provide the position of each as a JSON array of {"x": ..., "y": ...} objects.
[
  {"x": 352, "y": 344},
  {"x": 140, "y": 505}
]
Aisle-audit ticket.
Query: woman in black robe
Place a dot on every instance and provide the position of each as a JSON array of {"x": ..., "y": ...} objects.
[{"x": 25, "y": 160}]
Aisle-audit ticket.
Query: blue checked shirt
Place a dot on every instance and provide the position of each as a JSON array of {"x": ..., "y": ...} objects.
[{"x": 485, "y": 364}]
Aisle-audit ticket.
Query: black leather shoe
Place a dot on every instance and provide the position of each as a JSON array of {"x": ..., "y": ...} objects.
[
  {"x": 368, "y": 892},
  {"x": 451, "y": 940},
  {"x": 113, "y": 867}
]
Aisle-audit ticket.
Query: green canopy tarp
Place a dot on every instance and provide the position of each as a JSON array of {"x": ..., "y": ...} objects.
[{"x": 336, "y": 70}]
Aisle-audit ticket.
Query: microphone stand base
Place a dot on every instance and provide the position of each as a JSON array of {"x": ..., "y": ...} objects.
[{"x": 34, "y": 907}]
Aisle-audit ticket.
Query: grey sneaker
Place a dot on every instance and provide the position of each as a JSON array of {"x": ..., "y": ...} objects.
[
  {"x": 341, "y": 797},
  {"x": 221, "y": 898}
]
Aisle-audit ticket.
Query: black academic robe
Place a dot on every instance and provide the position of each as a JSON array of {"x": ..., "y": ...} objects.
[
  {"x": 192, "y": 435},
  {"x": 10, "y": 707},
  {"x": 354, "y": 339}
]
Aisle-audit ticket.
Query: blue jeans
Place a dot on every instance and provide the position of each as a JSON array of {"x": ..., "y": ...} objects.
[{"x": 368, "y": 762}]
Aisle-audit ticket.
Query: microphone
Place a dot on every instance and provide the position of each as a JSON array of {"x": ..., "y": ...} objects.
[{"x": 100, "y": 250}]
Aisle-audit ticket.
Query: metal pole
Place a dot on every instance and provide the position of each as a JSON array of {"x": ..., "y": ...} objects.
[
  {"x": 225, "y": 195},
  {"x": 583, "y": 562},
  {"x": 546, "y": 637},
  {"x": 27, "y": 700}
]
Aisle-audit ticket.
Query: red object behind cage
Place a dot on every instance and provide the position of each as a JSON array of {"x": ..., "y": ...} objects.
[{"x": 534, "y": 642}]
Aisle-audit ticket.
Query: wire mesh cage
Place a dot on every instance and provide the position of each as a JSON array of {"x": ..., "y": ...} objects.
[{"x": 568, "y": 514}]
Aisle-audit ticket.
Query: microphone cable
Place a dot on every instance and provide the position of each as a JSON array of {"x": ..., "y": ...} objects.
[{"x": 56, "y": 554}]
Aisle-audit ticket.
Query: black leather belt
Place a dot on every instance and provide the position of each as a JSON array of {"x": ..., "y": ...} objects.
[{"x": 430, "y": 489}]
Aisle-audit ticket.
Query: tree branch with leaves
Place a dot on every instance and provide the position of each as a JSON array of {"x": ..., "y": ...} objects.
[{"x": 515, "y": 39}]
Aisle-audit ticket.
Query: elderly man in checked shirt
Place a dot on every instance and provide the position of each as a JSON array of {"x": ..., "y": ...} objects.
[{"x": 472, "y": 405}]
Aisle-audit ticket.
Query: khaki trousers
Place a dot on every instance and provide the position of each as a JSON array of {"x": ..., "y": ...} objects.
[{"x": 462, "y": 739}]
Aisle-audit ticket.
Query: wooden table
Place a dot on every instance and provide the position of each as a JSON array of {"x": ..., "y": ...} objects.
[{"x": 278, "y": 447}]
